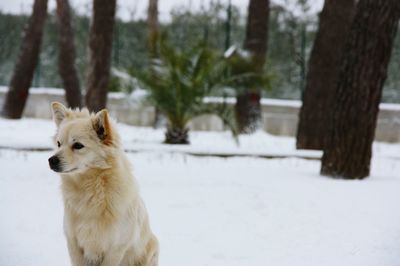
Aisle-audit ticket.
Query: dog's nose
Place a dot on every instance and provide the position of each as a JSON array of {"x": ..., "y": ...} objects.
[{"x": 54, "y": 162}]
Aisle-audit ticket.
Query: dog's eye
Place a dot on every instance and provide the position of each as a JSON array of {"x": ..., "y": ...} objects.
[
  {"x": 58, "y": 144},
  {"x": 77, "y": 146}
]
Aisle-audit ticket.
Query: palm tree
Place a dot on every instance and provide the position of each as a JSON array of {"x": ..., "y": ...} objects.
[{"x": 178, "y": 81}]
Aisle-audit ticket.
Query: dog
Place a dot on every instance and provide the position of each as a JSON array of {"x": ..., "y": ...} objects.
[{"x": 105, "y": 220}]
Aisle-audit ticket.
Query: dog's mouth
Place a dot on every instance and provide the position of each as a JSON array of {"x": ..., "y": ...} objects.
[
  {"x": 59, "y": 170},
  {"x": 68, "y": 171},
  {"x": 55, "y": 168}
]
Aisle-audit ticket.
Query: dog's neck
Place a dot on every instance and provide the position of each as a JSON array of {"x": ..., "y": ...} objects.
[{"x": 96, "y": 189}]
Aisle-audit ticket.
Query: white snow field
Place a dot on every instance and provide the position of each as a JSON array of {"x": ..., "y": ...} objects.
[{"x": 210, "y": 210}]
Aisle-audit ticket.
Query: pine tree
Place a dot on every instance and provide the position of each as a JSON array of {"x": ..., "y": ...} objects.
[
  {"x": 323, "y": 72},
  {"x": 28, "y": 58},
  {"x": 153, "y": 28},
  {"x": 66, "y": 55},
  {"x": 100, "y": 48},
  {"x": 153, "y": 35},
  {"x": 248, "y": 107},
  {"x": 363, "y": 71}
]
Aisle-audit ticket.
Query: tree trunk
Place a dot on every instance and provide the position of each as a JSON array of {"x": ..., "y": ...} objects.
[
  {"x": 363, "y": 70},
  {"x": 323, "y": 72},
  {"x": 248, "y": 111},
  {"x": 248, "y": 107},
  {"x": 66, "y": 55},
  {"x": 257, "y": 31},
  {"x": 152, "y": 44},
  {"x": 153, "y": 32},
  {"x": 177, "y": 135},
  {"x": 100, "y": 47},
  {"x": 28, "y": 58}
]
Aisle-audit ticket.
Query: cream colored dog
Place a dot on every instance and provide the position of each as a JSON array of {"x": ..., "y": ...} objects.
[{"x": 105, "y": 220}]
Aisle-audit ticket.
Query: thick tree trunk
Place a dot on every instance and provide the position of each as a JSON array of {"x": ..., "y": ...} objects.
[
  {"x": 28, "y": 58},
  {"x": 66, "y": 55},
  {"x": 323, "y": 72},
  {"x": 248, "y": 107},
  {"x": 363, "y": 70},
  {"x": 100, "y": 47}
]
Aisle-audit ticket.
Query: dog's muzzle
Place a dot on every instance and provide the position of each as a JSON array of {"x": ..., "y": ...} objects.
[{"x": 54, "y": 163}]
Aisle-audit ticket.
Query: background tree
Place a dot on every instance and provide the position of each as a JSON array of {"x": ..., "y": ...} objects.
[
  {"x": 323, "y": 71},
  {"x": 66, "y": 55},
  {"x": 363, "y": 70},
  {"x": 28, "y": 58},
  {"x": 178, "y": 83},
  {"x": 100, "y": 47},
  {"x": 248, "y": 107},
  {"x": 186, "y": 27},
  {"x": 153, "y": 28},
  {"x": 152, "y": 41}
]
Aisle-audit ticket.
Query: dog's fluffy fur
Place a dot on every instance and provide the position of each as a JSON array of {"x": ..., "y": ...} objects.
[{"x": 105, "y": 220}]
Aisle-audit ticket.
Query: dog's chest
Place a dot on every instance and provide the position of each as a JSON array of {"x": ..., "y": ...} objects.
[
  {"x": 88, "y": 198},
  {"x": 92, "y": 236}
]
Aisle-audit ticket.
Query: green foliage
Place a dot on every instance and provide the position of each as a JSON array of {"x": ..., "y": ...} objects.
[
  {"x": 285, "y": 56},
  {"x": 179, "y": 80},
  {"x": 11, "y": 27},
  {"x": 114, "y": 84},
  {"x": 187, "y": 28},
  {"x": 244, "y": 75},
  {"x": 284, "y": 51}
]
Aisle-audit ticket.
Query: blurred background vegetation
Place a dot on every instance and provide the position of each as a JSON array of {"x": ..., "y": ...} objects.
[{"x": 290, "y": 42}]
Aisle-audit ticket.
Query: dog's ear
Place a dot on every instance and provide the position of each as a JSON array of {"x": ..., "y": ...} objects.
[
  {"x": 59, "y": 112},
  {"x": 101, "y": 125}
]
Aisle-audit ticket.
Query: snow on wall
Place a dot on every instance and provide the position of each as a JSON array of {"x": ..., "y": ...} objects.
[{"x": 279, "y": 116}]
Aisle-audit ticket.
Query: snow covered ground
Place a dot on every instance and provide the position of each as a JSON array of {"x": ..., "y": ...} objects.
[{"x": 209, "y": 210}]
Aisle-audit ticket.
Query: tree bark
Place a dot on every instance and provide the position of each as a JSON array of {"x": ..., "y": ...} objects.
[
  {"x": 248, "y": 111},
  {"x": 28, "y": 58},
  {"x": 100, "y": 47},
  {"x": 152, "y": 44},
  {"x": 363, "y": 70},
  {"x": 66, "y": 55},
  {"x": 323, "y": 72},
  {"x": 248, "y": 107},
  {"x": 176, "y": 135},
  {"x": 257, "y": 31},
  {"x": 153, "y": 31}
]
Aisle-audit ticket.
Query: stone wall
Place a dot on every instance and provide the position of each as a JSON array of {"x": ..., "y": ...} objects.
[{"x": 279, "y": 116}]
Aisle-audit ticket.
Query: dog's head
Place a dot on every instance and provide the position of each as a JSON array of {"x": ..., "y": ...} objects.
[{"x": 83, "y": 140}]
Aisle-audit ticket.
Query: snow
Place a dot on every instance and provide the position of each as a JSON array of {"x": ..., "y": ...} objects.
[
  {"x": 211, "y": 210},
  {"x": 140, "y": 139},
  {"x": 41, "y": 90},
  {"x": 148, "y": 139},
  {"x": 389, "y": 106},
  {"x": 60, "y": 91},
  {"x": 139, "y": 94}
]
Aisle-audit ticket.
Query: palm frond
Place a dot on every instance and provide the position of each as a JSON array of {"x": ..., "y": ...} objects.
[{"x": 179, "y": 80}]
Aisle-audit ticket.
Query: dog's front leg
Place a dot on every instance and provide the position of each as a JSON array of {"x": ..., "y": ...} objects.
[
  {"x": 75, "y": 252},
  {"x": 114, "y": 256}
]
